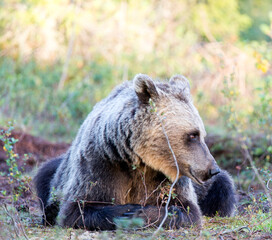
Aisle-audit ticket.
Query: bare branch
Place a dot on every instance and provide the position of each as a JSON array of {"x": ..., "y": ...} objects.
[
  {"x": 247, "y": 156},
  {"x": 173, "y": 184},
  {"x": 15, "y": 219},
  {"x": 81, "y": 213},
  {"x": 267, "y": 184},
  {"x": 70, "y": 49}
]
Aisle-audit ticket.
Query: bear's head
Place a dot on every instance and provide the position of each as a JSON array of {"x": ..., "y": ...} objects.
[{"x": 169, "y": 116}]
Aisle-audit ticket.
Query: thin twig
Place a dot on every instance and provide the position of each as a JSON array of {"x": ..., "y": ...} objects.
[
  {"x": 151, "y": 223},
  {"x": 99, "y": 202},
  {"x": 157, "y": 188},
  {"x": 81, "y": 214},
  {"x": 267, "y": 184},
  {"x": 261, "y": 222},
  {"x": 248, "y": 156},
  {"x": 143, "y": 178},
  {"x": 173, "y": 184},
  {"x": 13, "y": 220},
  {"x": 235, "y": 230},
  {"x": 252, "y": 180},
  {"x": 17, "y": 229},
  {"x": 71, "y": 44},
  {"x": 43, "y": 212}
]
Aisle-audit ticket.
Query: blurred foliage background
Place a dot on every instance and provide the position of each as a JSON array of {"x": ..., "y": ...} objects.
[{"x": 59, "y": 57}]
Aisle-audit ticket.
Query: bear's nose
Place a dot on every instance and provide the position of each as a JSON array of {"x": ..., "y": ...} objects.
[{"x": 214, "y": 171}]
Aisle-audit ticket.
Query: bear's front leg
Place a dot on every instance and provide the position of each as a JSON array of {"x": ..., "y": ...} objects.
[
  {"x": 186, "y": 201},
  {"x": 178, "y": 216},
  {"x": 183, "y": 210},
  {"x": 92, "y": 217},
  {"x": 217, "y": 195}
]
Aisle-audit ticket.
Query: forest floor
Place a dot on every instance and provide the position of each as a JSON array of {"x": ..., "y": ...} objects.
[{"x": 21, "y": 219}]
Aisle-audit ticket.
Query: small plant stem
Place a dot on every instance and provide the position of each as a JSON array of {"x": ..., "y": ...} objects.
[
  {"x": 267, "y": 184},
  {"x": 234, "y": 230},
  {"x": 248, "y": 156},
  {"x": 173, "y": 184},
  {"x": 14, "y": 220},
  {"x": 70, "y": 49},
  {"x": 82, "y": 214}
]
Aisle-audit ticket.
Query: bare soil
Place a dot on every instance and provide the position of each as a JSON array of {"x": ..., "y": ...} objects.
[{"x": 38, "y": 149}]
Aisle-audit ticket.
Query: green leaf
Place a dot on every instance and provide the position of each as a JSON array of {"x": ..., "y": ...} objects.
[
  {"x": 269, "y": 149},
  {"x": 258, "y": 151}
]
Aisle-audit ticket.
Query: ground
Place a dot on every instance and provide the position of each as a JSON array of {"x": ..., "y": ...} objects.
[{"x": 20, "y": 219}]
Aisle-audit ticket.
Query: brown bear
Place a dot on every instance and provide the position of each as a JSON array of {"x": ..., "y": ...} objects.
[{"x": 120, "y": 163}]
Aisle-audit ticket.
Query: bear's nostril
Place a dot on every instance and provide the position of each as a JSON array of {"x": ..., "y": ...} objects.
[{"x": 214, "y": 171}]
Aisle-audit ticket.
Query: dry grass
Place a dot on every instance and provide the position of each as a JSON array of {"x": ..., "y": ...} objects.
[{"x": 249, "y": 225}]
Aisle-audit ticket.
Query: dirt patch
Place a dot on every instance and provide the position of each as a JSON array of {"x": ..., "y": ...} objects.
[{"x": 38, "y": 149}]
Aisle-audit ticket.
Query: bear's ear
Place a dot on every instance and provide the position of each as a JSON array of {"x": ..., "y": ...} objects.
[
  {"x": 145, "y": 88},
  {"x": 182, "y": 84}
]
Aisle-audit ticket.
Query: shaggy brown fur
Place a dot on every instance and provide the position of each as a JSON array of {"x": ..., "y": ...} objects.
[{"x": 120, "y": 164}]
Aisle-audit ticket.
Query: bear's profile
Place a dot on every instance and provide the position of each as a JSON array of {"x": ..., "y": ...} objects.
[{"x": 120, "y": 162}]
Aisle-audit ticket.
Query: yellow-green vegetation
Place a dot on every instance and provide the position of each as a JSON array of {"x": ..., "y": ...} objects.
[
  {"x": 59, "y": 57},
  {"x": 251, "y": 225},
  {"x": 16, "y": 178}
]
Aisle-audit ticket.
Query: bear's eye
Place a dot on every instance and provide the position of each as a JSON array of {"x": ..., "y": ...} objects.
[{"x": 193, "y": 136}]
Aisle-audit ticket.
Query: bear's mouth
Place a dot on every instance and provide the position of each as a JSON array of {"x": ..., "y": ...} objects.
[{"x": 193, "y": 176}]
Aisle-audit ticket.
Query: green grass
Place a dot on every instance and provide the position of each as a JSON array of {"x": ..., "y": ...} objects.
[
  {"x": 30, "y": 97},
  {"x": 252, "y": 224}
]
